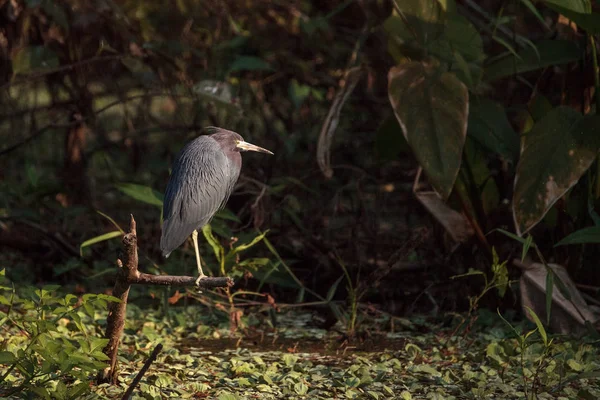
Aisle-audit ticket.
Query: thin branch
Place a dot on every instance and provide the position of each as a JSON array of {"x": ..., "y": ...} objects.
[
  {"x": 177, "y": 280},
  {"x": 140, "y": 374}
]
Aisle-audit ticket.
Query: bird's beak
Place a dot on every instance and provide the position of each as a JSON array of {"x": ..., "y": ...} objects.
[{"x": 245, "y": 146}]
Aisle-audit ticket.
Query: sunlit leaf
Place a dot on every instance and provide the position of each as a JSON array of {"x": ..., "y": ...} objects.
[
  {"x": 142, "y": 193},
  {"x": 212, "y": 241},
  {"x": 6, "y": 357},
  {"x": 98, "y": 239},
  {"x": 246, "y": 246},
  {"x": 538, "y": 324}
]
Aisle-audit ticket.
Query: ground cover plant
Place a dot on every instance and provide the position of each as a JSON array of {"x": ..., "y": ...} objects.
[{"x": 427, "y": 228}]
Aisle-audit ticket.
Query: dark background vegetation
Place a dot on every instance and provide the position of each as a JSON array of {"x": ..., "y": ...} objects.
[{"x": 100, "y": 94}]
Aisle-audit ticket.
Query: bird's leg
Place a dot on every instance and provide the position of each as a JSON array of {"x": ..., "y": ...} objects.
[{"x": 200, "y": 273}]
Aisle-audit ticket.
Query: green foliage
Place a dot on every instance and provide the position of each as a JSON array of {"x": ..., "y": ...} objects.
[
  {"x": 229, "y": 259},
  {"x": 533, "y": 359},
  {"x": 545, "y": 53},
  {"x": 435, "y": 130},
  {"x": 300, "y": 361},
  {"x": 51, "y": 344},
  {"x": 499, "y": 281},
  {"x": 422, "y": 34}
]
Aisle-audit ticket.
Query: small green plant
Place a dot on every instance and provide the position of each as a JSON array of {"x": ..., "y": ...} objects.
[
  {"x": 499, "y": 281},
  {"x": 50, "y": 345},
  {"x": 533, "y": 358},
  {"x": 230, "y": 264}
]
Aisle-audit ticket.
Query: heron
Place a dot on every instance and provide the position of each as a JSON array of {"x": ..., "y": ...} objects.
[{"x": 203, "y": 176}]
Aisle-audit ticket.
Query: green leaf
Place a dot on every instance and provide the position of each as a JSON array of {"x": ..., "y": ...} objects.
[
  {"x": 111, "y": 220},
  {"x": 461, "y": 46},
  {"x": 34, "y": 59},
  {"x": 534, "y": 11},
  {"x": 98, "y": 239},
  {"x": 526, "y": 246},
  {"x": 416, "y": 21},
  {"x": 226, "y": 214},
  {"x": 490, "y": 127},
  {"x": 227, "y": 396},
  {"x": 333, "y": 288},
  {"x": 249, "y": 63},
  {"x": 142, "y": 193},
  {"x": 432, "y": 108},
  {"x": 539, "y": 325},
  {"x": 300, "y": 388},
  {"x": 212, "y": 241},
  {"x": 585, "y": 235},
  {"x": 512, "y": 236},
  {"x": 78, "y": 390},
  {"x": 549, "y": 292},
  {"x": 556, "y": 153},
  {"x": 549, "y": 53},
  {"x": 298, "y": 93},
  {"x": 6, "y": 357},
  {"x": 590, "y": 22},
  {"x": 54, "y": 10},
  {"x": 427, "y": 369},
  {"x": 246, "y": 246},
  {"x": 580, "y": 6}
]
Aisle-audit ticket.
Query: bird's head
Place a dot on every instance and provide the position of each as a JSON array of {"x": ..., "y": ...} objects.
[{"x": 233, "y": 141}]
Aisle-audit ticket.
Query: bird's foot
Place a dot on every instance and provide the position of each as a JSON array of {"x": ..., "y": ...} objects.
[{"x": 200, "y": 277}]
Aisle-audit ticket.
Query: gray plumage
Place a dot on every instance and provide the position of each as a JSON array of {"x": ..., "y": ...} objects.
[{"x": 203, "y": 177}]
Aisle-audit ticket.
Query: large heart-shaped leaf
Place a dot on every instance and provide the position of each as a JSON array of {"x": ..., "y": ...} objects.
[
  {"x": 432, "y": 108},
  {"x": 556, "y": 152}
]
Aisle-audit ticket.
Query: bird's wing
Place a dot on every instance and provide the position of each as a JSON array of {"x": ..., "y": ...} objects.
[{"x": 199, "y": 185}]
